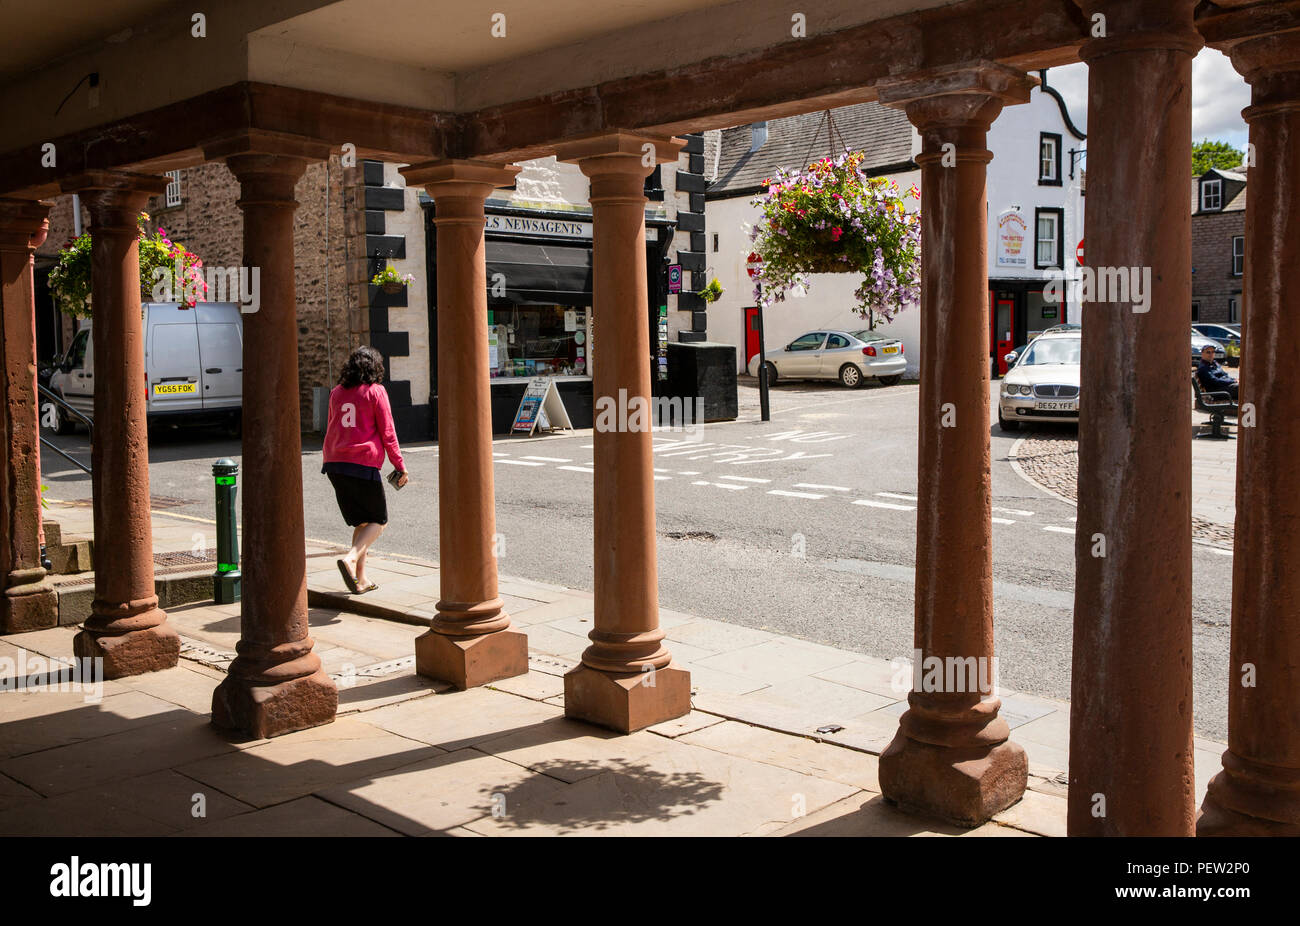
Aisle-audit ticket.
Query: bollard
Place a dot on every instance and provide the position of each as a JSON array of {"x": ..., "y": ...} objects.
[{"x": 226, "y": 580}]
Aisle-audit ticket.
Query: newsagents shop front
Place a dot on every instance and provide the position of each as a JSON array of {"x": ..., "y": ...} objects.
[{"x": 540, "y": 321}]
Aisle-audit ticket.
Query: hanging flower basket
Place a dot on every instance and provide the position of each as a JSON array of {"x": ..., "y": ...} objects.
[
  {"x": 392, "y": 282},
  {"x": 833, "y": 218},
  {"x": 169, "y": 272}
]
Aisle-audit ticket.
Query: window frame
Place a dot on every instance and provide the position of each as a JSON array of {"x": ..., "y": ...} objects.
[
  {"x": 1055, "y": 160},
  {"x": 1234, "y": 309},
  {"x": 172, "y": 195},
  {"x": 1215, "y": 184},
  {"x": 1238, "y": 255},
  {"x": 1196, "y": 310},
  {"x": 1059, "y": 215}
]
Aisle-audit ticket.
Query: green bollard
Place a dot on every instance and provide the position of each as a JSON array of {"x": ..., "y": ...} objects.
[{"x": 226, "y": 580}]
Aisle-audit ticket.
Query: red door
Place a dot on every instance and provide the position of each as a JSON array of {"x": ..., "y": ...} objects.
[
  {"x": 1001, "y": 329},
  {"x": 751, "y": 333}
]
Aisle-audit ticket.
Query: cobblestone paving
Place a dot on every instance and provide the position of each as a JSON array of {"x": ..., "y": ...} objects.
[{"x": 1052, "y": 461}]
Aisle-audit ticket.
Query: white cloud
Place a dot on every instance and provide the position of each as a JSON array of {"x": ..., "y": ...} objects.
[{"x": 1218, "y": 96}]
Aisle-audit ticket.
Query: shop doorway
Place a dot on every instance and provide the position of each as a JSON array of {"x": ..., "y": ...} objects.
[
  {"x": 1018, "y": 313},
  {"x": 751, "y": 333}
]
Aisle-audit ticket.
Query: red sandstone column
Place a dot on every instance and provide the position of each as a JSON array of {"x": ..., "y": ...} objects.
[
  {"x": 126, "y": 627},
  {"x": 1131, "y": 710},
  {"x": 952, "y": 756},
  {"x": 1258, "y": 791},
  {"x": 275, "y": 685},
  {"x": 29, "y": 601},
  {"x": 470, "y": 641},
  {"x": 626, "y": 680}
]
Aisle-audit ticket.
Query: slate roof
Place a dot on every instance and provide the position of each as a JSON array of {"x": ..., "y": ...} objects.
[
  {"x": 883, "y": 133},
  {"x": 1236, "y": 204}
]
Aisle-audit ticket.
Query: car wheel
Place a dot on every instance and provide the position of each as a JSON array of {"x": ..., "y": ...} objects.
[
  {"x": 891, "y": 380},
  {"x": 1006, "y": 425},
  {"x": 771, "y": 373},
  {"x": 850, "y": 376}
]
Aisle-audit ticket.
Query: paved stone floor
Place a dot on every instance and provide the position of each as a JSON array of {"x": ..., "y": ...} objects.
[{"x": 783, "y": 737}]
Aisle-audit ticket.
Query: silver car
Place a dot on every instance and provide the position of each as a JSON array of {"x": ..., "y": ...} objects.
[
  {"x": 1044, "y": 383},
  {"x": 851, "y": 357},
  {"x": 1199, "y": 341}
]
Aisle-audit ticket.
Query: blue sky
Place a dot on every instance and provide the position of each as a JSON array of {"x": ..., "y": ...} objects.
[{"x": 1219, "y": 94}]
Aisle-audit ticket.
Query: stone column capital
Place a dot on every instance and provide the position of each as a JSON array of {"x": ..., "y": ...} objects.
[
  {"x": 1153, "y": 25},
  {"x": 23, "y": 223},
  {"x": 115, "y": 198},
  {"x": 629, "y": 153},
  {"x": 459, "y": 178},
  {"x": 958, "y": 105},
  {"x": 267, "y": 179},
  {"x": 1271, "y": 65}
]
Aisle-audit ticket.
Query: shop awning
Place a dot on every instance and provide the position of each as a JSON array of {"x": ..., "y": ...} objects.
[{"x": 539, "y": 274}]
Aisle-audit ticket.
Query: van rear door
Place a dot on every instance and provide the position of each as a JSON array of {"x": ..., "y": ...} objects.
[
  {"x": 172, "y": 359},
  {"x": 221, "y": 353}
]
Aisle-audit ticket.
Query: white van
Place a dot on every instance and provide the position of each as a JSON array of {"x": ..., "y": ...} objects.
[{"x": 193, "y": 362}]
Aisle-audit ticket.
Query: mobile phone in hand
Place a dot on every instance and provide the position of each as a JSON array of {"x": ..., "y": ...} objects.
[{"x": 393, "y": 478}]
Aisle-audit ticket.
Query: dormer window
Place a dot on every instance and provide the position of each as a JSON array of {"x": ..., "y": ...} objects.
[
  {"x": 1049, "y": 159},
  {"x": 1211, "y": 195}
]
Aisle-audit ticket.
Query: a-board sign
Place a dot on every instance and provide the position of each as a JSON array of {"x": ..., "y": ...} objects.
[{"x": 541, "y": 406}]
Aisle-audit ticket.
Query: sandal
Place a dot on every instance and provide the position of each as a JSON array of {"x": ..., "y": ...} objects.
[
  {"x": 348, "y": 578},
  {"x": 370, "y": 587}
]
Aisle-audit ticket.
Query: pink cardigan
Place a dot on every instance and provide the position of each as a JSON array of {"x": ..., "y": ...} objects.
[{"x": 361, "y": 428}]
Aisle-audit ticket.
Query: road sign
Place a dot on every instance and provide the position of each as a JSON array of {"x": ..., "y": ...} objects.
[
  {"x": 1078, "y": 252},
  {"x": 754, "y": 265}
]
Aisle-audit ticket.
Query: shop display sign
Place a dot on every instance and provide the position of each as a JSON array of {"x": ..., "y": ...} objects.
[
  {"x": 541, "y": 406},
  {"x": 674, "y": 278},
  {"x": 1010, "y": 246},
  {"x": 663, "y": 342}
]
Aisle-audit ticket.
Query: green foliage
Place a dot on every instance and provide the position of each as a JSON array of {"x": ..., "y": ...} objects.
[
  {"x": 712, "y": 292},
  {"x": 390, "y": 276},
  {"x": 833, "y": 218},
  {"x": 160, "y": 259},
  {"x": 1214, "y": 155}
]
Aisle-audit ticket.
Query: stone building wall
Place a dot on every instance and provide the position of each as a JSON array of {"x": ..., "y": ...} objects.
[{"x": 1213, "y": 283}]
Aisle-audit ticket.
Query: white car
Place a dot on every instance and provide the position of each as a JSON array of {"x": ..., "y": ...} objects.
[
  {"x": 851, "y": 357},
  {"x": 1044, "y": 383}
]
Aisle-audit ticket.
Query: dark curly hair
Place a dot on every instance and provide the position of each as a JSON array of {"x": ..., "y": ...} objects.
[{"x": 365, "y": 365}]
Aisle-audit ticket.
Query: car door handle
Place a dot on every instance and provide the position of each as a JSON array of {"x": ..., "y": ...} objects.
[{"x": 212, "y": 370}]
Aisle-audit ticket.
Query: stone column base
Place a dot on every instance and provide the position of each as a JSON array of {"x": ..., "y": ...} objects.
[
  {"x": 626, "y": 702},
  {"x": 1219, "y": 821},
  {"x": 29, "y": 607},
  {"x": 468, "y": 662},
  {"x": 1232, "y": 802},
  {"x": 131, "y": 653},
  {"x": 964, "y": 786},
  {"x": 263, "y": 711}
]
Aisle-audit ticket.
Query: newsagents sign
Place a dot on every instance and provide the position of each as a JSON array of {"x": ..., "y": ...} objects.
[{"x": 546, "y": 228}]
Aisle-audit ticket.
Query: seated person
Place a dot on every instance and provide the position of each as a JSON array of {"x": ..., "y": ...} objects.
[{"x": 1212, "y": 376}]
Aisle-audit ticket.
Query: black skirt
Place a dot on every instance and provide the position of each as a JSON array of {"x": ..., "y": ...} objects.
[{"x": 361, "y": 501}]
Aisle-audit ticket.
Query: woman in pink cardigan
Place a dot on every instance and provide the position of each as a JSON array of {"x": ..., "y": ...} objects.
[{"x": 359, "y": 432}]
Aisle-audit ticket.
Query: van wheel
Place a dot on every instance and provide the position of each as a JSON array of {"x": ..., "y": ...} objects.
[
  {"x": 62, "y": 423},
  {"x": 850, "y": 376},
  {"x": 235, "y": 425},
  {"x": 891, "y": 380}
]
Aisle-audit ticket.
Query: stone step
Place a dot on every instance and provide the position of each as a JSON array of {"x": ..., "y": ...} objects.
[
  {"x": 172, "y": 588},
  {"x": 69, "y": 554}
]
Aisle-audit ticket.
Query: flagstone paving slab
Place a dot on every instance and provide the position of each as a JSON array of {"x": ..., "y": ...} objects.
[
  {"x": 775, "y": 661},
  {"x": 677, "y": 791},
  {"x": 297, "y": 764},
  {"x": 172, "y": 741},
  {"x": 1037, "y": 813},
  {"x": 188, "y": 685},
  {"x": 13, "y": 793},
  {"x": 28, "y": 718},
  {"x": 695, "y": 720},
  {"x": 570, "y": 750},
  {"x": 823, "y": 760},
  {"x": 866, "y": 814},
  {"x": 443, "y": 792},
  {"x": 536, "y": 685},
  {"x": 306, "y": 816},
  {"x": 156, "y": 804},
  {"x": 458, "y": 719},
  {"x": 874, "y": 675}
]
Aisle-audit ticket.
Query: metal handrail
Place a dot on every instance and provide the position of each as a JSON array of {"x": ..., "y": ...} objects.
[
  {"x": 77, "y": 463},
  {"x": 61, "y": 402}
]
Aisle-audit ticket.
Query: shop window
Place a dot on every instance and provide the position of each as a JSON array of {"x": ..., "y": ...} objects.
[
  {"x": 539, "y": 340},
  {"x": 1047, "y": 238},
  {"x": 1211, "y": 195},
  {"x": 1238, "y": 254},
  {"x": 1049, "y": 159},
  {"x": 1196, "y": 311},
  {"x": 654, "y": 184}
]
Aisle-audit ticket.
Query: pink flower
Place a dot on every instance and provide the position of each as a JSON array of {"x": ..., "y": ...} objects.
[{"x": 836, "y": 233}]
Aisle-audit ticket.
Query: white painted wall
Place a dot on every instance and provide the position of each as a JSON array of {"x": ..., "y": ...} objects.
[
  {"x": 1013, "y": 179},
  {"x": 828, "y": 303}
]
